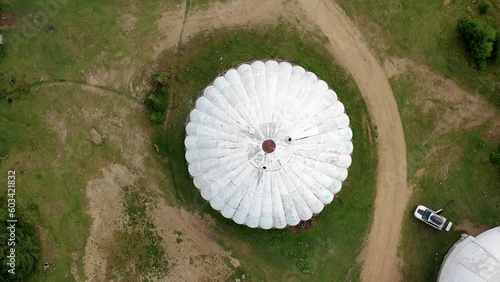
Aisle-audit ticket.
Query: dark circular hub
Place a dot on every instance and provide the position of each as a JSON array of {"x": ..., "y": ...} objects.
[{"x": 268, "y": 146}]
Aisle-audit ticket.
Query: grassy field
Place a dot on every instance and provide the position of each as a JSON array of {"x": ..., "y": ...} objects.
[
  {"x": 276, "y": 255},
  {"x": 52, "y": 177},
  {"x": 425, "y": 31},
  {"x": 447, "y": 170},
  {"x": 45, "y": 130}
]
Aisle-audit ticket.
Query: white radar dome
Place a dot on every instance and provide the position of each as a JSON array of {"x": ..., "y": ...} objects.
[{"x": 268, "y": 144}]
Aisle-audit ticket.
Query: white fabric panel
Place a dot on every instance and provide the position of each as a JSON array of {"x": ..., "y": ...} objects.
[
  {"x": 291, "y": 178},
  {"x": 473, "y": 259}
]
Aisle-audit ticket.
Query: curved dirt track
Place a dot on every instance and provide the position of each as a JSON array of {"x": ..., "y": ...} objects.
[
  {"x": 380, "y": 261},
  {"x": 379, "y": 257}
]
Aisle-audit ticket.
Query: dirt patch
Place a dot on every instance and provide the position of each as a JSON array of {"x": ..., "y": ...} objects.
[
  {"x": 117, "y": 77},
  {"x": 49, "y": 249},
  {"x": 447, "y": 2},
  {"x": 128, "y": 19},
  {"x": 435, "y": 158},
  {"x": 58, "y": 126},
  {"x": 95, "y": 137},
  {"x": 177, "y": 26},
  {"x": 471, "y": 228},
  {"x": 303, "y": 225},
  {"x": 455, "y": 109},
  {"x": 191, "y": 242},
  {"x": 105, "y": 206},
  {"x": 8, "y": 20},
  {"x": 74, "y": 268}
]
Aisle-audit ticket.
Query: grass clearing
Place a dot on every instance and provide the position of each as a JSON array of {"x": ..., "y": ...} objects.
[
  {"x": 276, "y": 255},
  {"x": 425, "y": 32},
  {"x": 448, "y": 170},
  {"x": 53, "y": 172}
]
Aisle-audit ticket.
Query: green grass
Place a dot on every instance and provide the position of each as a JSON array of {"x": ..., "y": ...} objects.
[
  {"x": 88, "y": 35},
  {"x": 453, "y": 166},
  {"x": 425, "y": 31},
  {"x": 458, "y": 177},
  {"x": 52, "y": 176},
  {"x": 329, "y": 250}
]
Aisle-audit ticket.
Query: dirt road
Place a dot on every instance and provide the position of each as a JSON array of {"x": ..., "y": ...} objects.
[{"x": 380, "y": 261}]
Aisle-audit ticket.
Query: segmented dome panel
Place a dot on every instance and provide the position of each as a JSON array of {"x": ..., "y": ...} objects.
[{"x": 268, "y": 144}]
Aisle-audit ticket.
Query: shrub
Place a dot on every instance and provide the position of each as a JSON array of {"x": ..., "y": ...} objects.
[
  {"x": 157, "y": 100},
  {"x": 485, "y": 7},
  {"x": 495, "y": 157},
  {"x": 161, "y": 78},
  {"x": 157, "y": 117},
  {"x": 495, "y": 53},
  {"x": 156, "y": 103},
  {"x": 478, "y": 39}
]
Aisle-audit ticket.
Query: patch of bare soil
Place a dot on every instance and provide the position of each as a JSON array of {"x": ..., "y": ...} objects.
[
  {"x": 191, "y": 244},
  {"x": 58, "y": 126},
  {"x": 303, "y": 225},
  {"x": 8, "y": 20},
  {"x": 447, "y": 2},
  {"x": 95, "y": 137},
  {"x": 176, "y": 26},
  {"x": 128, "y": 20},
  {"x": 49, "y": 250},
  {"x": 443, "y": 157},
  {"x": 455, "y": 109},
  {"x": 471, "y": 228},
  {"x": 117, "y": 77},
  {"x": 105, "y": 206}
]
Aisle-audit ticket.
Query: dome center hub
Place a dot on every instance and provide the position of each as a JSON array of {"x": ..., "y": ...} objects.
[{"x": 268, "y": 146}]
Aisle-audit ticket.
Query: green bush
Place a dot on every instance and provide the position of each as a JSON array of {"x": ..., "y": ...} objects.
[
  {"x": 495, "y": 53},
  {"x": 161, "y": 78},
  {"x": 157, "y": 117},
  {"x": 478, "y": 39},
  {"x": 495, "y": 157},
  {"x": 156, "y": 103},
  {"x": 157, "y": 100},
  {"x": 485, "y": 7}
]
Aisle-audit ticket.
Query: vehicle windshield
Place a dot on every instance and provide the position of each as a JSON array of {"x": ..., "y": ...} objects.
[{"x": 426, "y": 215}]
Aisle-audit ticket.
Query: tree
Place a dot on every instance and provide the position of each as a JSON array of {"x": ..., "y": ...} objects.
[
  {"x": 157, "y": 117},
  {"x": 485, "y": 7},
  {"x": 478, "y": 39},
  {"x": 27, "y": 247},
  {"x": 495, "y": 54}
]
